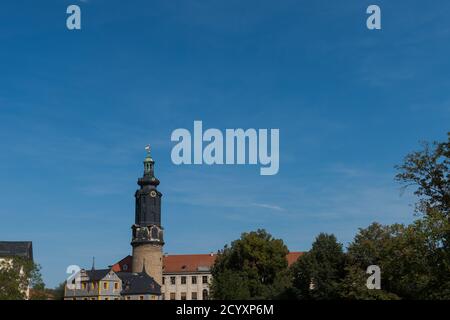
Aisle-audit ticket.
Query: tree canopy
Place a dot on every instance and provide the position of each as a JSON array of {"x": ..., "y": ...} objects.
[
  {"x": 253, "y": 267},
  {"x": 16, "y": 276}
]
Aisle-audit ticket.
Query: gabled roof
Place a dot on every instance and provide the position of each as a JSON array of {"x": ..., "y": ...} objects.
[
  {"x": 138, "y": 283},
  {"x": 123, "y": 265},
  {"x": 97, "y": 275},
  {"x": 22, "y": 249}
]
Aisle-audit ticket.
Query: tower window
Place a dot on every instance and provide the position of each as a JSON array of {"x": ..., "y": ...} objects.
[
  {"x": 172, "y": 280},
  {"x": 205, "y": 279},
  {"x": 183, "y": 280},
  {"x": 194, "y": 280},
  {"x": 154, "y": 233}
]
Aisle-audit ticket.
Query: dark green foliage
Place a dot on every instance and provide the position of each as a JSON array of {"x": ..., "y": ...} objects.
[
  {"x": 353, "y": 287},
  {"x": 253, "y": 267},
  {"x": 16, "y": 275},
  {"x": 428, "y": 171},
  {"x": 318, "y": 273},
  {"x": 58, "y": 292},
  {"x": 401, "y": 254}
]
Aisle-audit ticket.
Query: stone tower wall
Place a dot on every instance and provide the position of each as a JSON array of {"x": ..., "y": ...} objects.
[{"x": 152, "y": 255}]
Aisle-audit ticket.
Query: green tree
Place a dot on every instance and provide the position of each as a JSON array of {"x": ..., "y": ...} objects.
[
  {"x": 253, "y": 267},
  {"x": 402, "y": 254},
  {"x": 58, "y": 292},
  {"x": 39, "y": 292},
  {"x": 16, "y": 275},
  {"x": 428, "y": 171},
  {"x": 434, "y": 229},
  {"x": 319, "y": 272},
  {"x": 353, "y": 287}
]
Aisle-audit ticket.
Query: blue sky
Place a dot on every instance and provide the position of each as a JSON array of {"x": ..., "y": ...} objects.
[{"x": 77, "y": 109}]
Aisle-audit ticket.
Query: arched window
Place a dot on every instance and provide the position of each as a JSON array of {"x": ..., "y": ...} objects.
[
  {"x": 205, "y": 294},
  {"x": 154, "y": 233}
]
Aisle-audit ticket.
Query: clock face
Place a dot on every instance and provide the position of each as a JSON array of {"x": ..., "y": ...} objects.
[{"x": 153, "y": 193}]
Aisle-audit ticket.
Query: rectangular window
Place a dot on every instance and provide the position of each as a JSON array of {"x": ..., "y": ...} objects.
[
  {"x": 141, "y": 298},
  {"x": 128, "y": 297},
  {"x": 105, "y": 285},
  {"x": 164, "y": 280},
  {"x": 194, "y": 296},
  {"x": 83, "y": 285},
  {"x": 172, "y": 296},
  {"x": 116, "y": 286},
  {"x": 183, "y": 296},
  {"x": 172, "y": 280},
  {"x": 194, "y": 280},
  {"x": 205, "y": 279},
  {"x": 183, "y": 280}
]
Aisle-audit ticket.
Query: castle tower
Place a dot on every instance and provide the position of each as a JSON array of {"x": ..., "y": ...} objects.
[{"x": 147, "y": 240}]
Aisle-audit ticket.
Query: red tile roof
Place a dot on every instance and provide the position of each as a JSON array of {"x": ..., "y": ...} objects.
[
  {"x": 181, "y": 263},
  {"x": 293, "y": 256},
  {"x": 188, "y": 262},
  {"x": 123, "y": 265}
]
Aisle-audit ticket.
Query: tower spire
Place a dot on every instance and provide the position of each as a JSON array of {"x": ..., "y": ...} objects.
[
  {"x": 148, "y": 163},
  {"x": 147, "y": 232}
]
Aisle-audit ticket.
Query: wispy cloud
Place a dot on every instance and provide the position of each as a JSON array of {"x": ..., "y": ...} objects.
[{"x": 268, "y": 206}]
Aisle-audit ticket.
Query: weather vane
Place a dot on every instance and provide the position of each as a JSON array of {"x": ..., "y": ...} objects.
[{"x": 147, "y": 148}]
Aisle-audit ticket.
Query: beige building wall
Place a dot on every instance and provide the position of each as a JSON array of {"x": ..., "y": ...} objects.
[{"x": 188, "y": 290}]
